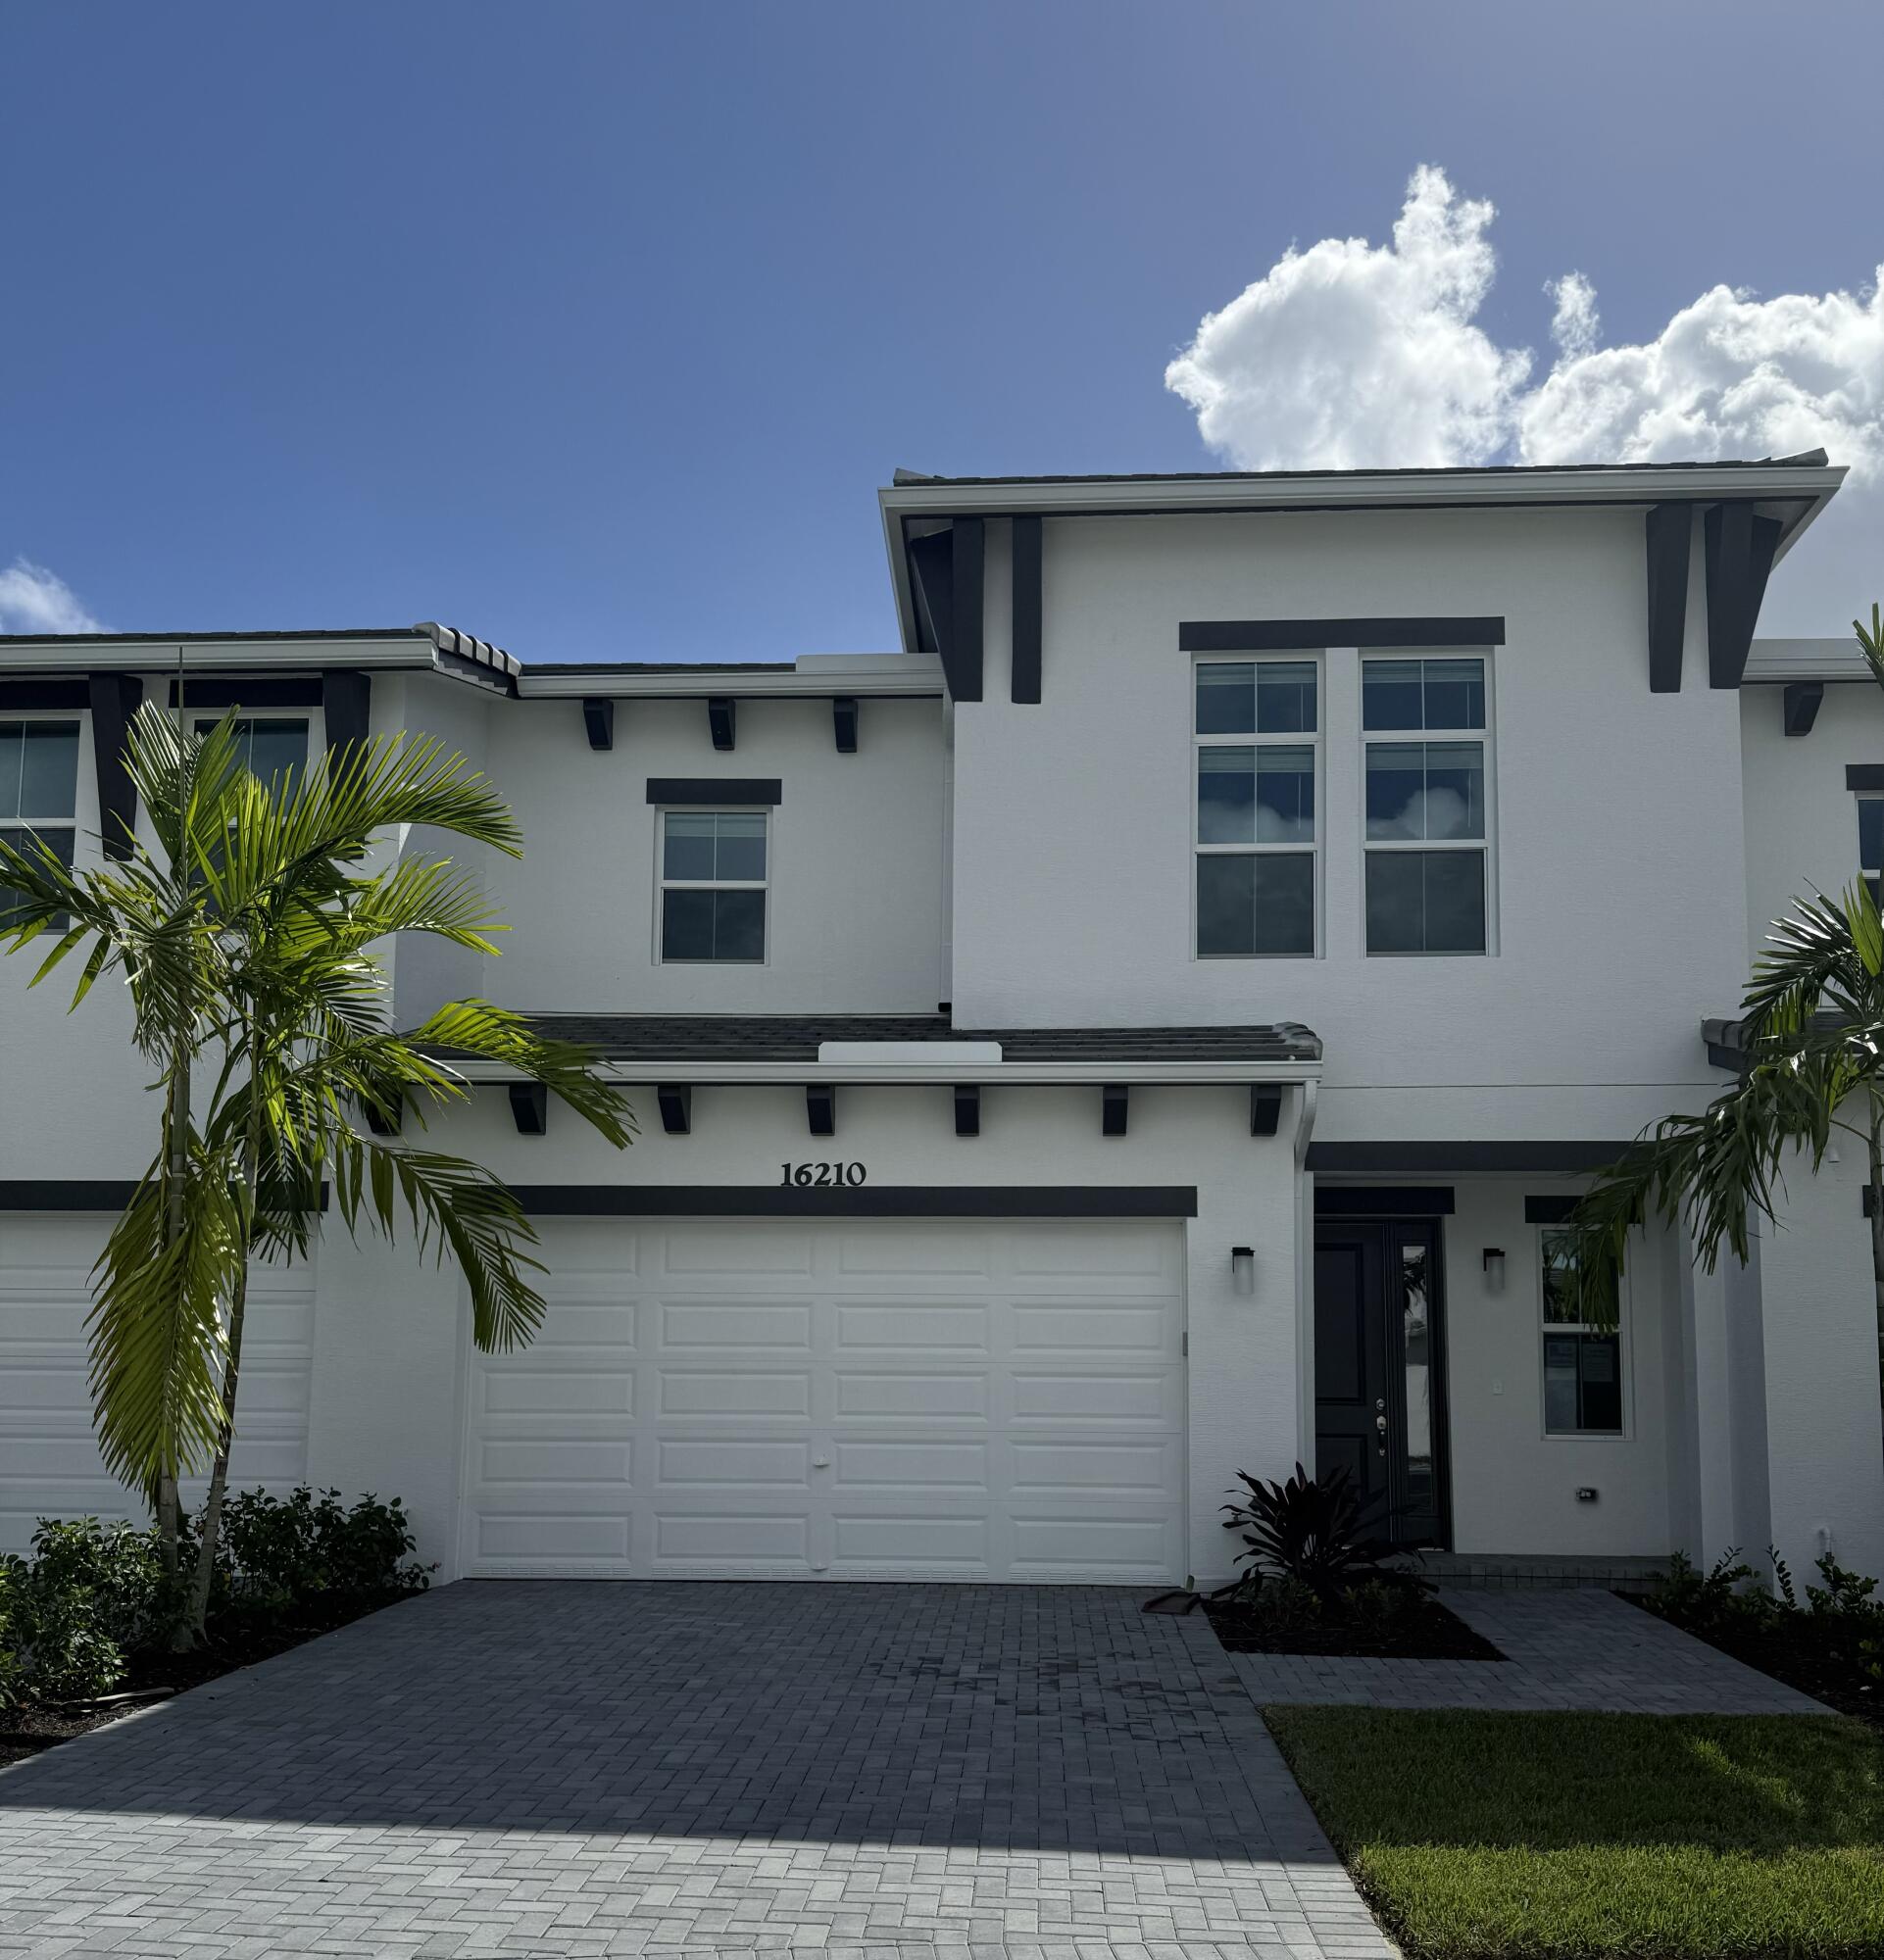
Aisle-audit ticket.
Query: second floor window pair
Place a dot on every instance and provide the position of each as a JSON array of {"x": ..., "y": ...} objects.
[{"x": 1424, "y": 823}]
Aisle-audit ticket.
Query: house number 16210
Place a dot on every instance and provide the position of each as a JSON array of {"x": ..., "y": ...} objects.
[{"x": 823, "y": 1173}]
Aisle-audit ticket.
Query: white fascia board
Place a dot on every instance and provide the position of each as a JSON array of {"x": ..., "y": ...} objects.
[
  {"x": 1834, "y": 659},
  {"x": 819, "y": 684},
  {"x": 201, "y": 656},
  {"x": 1341, "y": 490},
  {"x": 989, "y": 1074},
  {"x": 968, "y": 1053}
]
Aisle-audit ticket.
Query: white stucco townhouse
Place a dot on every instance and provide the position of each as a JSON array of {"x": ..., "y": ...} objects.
[{"x": 1145, "y": 1027}]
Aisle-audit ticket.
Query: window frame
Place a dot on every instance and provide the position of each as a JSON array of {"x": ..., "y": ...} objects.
[
  {"x": 1872, "y": 874},
  {"x": 663, "y": 884},
  {"x": 1486, "y": 847},
  {"x": 1546, "y": 1329},
  {"x": 1313, "y": 658},
  {"x": 203, "y": 721},
  {"x": 37, "y": 827}
]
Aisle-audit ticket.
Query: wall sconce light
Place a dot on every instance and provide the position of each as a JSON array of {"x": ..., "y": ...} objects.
[
  {"x": 1243, "y": 1269},
  {"x": 1494, "y": 1269}
]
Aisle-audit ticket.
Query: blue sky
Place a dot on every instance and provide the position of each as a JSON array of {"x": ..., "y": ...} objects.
[{"x": 592, "y": 328}]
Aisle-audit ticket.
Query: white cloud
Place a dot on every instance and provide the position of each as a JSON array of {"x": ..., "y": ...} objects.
[
  {"x": 33, "y": 600},
  {"x": 1351, "y": 354},
  {"x": 1347, "y": 355}
]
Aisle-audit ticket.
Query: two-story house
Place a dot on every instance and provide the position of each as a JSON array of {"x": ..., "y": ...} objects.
[{"x": 1146, "y": 1027}]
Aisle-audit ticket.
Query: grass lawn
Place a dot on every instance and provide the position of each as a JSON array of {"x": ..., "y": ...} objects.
[{"x": 1482, "y": 1836}]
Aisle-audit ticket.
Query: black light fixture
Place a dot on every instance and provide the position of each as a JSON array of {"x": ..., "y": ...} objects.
[
  {"x": 1493, "y": 1259},
  {"x": 1243, "y": 1270}
]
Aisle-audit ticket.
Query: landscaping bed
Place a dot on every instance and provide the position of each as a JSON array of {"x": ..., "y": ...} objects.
[
  {"x": 1830, "y": 1647},
  {"x": 86, "y": 1623},
  {"x": 1573, "y": 1836},
  {"x": 1377, "y": 1620}
]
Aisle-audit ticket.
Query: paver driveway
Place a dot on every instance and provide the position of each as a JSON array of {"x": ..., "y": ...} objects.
[{"x": 564, "y": 1769}]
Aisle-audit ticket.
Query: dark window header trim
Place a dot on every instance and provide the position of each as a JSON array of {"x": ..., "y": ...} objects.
[
  {"x": 1864, "y": 775},
  {"x": 1383, "y": 1201},
  {"x": 713, "y": 791},
  {"x": 1267, "y": 636}
]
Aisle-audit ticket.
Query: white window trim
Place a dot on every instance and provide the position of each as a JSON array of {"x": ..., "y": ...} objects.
[
  {"x": 1625, "y": 1323},
  {"x": 82, "y": 720},
  {"x": 1302, "y": 657},
  {"x": 663, "y": 884},
  {"x": 1487, "y": 845}
]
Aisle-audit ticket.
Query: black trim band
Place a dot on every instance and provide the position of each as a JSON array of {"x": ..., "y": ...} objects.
[
  {"x": 881, "y": 1201},
  {"x": 711, "y": 790},
  {"x": 78, "y": 1193},
  {"x": 1362, "y": 1159},
  {"x": 1864, "y": 775},
  {"x": 216, "y": 693},
  {"x": 1383, "y": 1201},
  {"x": 1268, "y": 636},
  {"x": 65, "y": 695},
  {"x": 1548, "y": 1211}
]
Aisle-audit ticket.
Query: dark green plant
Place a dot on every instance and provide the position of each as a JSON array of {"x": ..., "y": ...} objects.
[
  {"x": 69, "y": 1617},
  {"x": 314, "y": 1557},
  {"x": 1310, "y": 1529}
]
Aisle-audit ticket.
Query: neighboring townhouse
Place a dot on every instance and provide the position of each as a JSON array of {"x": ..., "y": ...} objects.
[{"x": 1148, "y": 1027}]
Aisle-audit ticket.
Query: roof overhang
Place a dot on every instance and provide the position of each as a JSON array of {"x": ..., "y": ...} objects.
[
  {"x": 945, "y": 1071},
  {"x": 816, "y": 677},
  {"x": 1792, "y": 493},
  {"x": 428, "y": 645}
]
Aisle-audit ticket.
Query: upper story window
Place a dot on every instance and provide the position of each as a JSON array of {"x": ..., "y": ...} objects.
[
  {"x": 1583, "y": 1364},
  {"x": 1256, "y": 733},
  {"x": 38, "y": 788},
  {"x": 1870, "y": 840},
  {"x": 271, "y": 748},
  {"x": 1428, "y": 828},
  {"x": 712, "y": 886}
]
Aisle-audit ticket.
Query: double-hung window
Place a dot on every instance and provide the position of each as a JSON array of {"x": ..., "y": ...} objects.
[
  {"x": 271, "y": 747},
  {"x": 1427, "y": 823},
  {"x": 1870, "y": 843},
  {"x": 38, "y": 790},
  {"x": 1582, "y": 1364},
  {"x": 712, "y": 886},
  {"x": 1256, "y": 730}
]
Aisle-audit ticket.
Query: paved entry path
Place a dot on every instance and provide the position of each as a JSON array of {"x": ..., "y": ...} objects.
[
  {"x": 1571, "y": 1647},
  {"x": 575, "y": 1769}
]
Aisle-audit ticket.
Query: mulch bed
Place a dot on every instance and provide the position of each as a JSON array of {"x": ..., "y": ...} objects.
[
  {"x": 156, "y": 1677},
  {"x": 1780, "y": 1652},
  {"x": 1428, "y": 1632}
]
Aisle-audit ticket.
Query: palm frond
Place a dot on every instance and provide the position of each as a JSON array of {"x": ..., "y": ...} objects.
[{"x": 478, "y": 1030}]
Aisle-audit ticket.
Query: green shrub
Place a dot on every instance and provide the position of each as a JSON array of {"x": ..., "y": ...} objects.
[
  {"x": 311, "y": 1556},
  {"x": 91, "y": 1594}
]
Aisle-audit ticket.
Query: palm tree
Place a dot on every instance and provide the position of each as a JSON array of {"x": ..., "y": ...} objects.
[
  {"x": 250, "y": 942},
  {"x": 1812, "y": 1035}
]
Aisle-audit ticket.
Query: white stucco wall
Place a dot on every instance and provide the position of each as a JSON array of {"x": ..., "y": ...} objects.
[
  {"x": 390, "y": 1334},
  {"x": 855, "y": 906},
  {"x": 1073, "y": 818},
  {"x": 1514, "y": 1486}
]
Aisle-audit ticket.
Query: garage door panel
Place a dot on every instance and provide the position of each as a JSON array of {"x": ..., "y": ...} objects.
[
  {"x": 742, "y": 1324},
  {"x": 49, "y": 1462},
  {"x": 888, "y": 1399},
  {"x": 904, "y": 1464},
  {"x": 732, "y": 1462},
  {"x": 764, "y": 1250}
]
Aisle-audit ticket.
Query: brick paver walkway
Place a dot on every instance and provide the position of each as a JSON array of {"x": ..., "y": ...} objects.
[
  {"x": 1565, "y": 1648},
  {"x": 573, "y": 1769}
]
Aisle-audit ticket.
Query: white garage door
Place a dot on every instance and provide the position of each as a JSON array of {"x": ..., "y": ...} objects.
[
  {"x": 49, "y": 1464},
  {"x": 851, "y": 1399}
]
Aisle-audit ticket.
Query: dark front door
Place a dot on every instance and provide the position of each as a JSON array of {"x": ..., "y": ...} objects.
[{"x": 1379, "y": 1389}]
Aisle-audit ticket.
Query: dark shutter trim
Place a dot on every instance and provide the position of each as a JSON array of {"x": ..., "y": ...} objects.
[
  {"x": 1864, "y": 775},
  {"x": 113, "y": 700},
  {"x": 1671, "y": 542}
]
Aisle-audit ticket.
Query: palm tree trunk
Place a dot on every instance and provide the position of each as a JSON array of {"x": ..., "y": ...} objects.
[
  {"x": 1876, "y": 1144},
  {"x": 211, "y": 1530}
]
